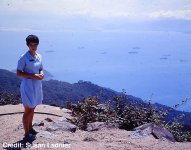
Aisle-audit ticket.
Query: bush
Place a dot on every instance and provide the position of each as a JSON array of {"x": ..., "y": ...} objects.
[
  {"x": 126, "y": 115},
  {"x": 9, "y": 98}
]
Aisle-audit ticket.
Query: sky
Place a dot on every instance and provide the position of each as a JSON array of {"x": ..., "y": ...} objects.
[
  {"x": 49, "y": 15},
  {"x": 33, "y": 16}
]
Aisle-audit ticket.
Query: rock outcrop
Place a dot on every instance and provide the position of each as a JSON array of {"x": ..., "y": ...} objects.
[
  {"x": 152, "y": 129},
  {"x": 62, "y": 124}
]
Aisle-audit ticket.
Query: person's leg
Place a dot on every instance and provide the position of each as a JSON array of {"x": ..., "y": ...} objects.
[
  {"x": 26, "y": 119},
  {"x": 31, "y": 118}
]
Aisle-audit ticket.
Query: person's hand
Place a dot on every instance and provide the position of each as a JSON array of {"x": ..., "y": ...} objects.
[
  {"x": 42, "y": 74},
  {"x": 38, "y": 76}
]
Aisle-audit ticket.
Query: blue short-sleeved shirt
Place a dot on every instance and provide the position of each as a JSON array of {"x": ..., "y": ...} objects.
[{"x": 31, "y": 89}]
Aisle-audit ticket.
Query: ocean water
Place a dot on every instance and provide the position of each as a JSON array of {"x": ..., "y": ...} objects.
[{"x": 147, "y": 64}]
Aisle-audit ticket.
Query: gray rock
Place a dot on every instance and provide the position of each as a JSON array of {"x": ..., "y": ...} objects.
[
  {"x": 112, "y": 125},
  {"x": 62, "y": 119},
  {"x": 45, "y": 134},
  {"x": 152, "y": 129},
  {"x": 48, "y": 119},
  {"x": 144, "y": 126},
  {"x": 20, "y": 126},
  {"x": 94, "y": 126},
  {"x": 62, "y": 125},
  {"x": 162, "y": 133},
  {"x": 89, "y": 139},
  {"x": 141, "y": 133},
  {"x": 38, "y": 123}
]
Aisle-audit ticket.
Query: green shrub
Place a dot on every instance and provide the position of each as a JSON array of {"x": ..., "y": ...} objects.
[
  {"x": 9, "y": 98},
  {"x": 126, "y": 115}
]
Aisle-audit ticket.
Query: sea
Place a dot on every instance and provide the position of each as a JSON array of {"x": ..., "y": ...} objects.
[{"x": 151, "y": 65}]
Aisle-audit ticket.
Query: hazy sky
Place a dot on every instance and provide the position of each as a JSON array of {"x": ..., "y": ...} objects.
[
  {"x": 169, "y": 17},
  {"x": 44, "y": 14}
]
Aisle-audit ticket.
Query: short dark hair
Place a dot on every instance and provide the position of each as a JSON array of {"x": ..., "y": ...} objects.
[{"x": 32, "y": 38}]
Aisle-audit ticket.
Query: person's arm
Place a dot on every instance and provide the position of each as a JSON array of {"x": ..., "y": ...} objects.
[{"x": 27, "y": 75}]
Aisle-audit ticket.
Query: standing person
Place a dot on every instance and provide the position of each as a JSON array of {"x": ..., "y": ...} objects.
[{"x": 31, "y": 70}]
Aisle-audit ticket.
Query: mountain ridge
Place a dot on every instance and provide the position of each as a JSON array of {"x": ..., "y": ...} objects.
[{"x": 56, "y": 93}]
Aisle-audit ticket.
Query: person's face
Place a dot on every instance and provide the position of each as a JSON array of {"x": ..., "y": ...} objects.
[{"x": 33, "y": 46}]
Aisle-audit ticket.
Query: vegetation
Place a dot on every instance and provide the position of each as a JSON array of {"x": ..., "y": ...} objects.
[
  {"x": 109, "y": 106},
  {"x": 56, "y": 92},
  {"x": 9, "y": 98},
  {"x": 126, "y": 116}
]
